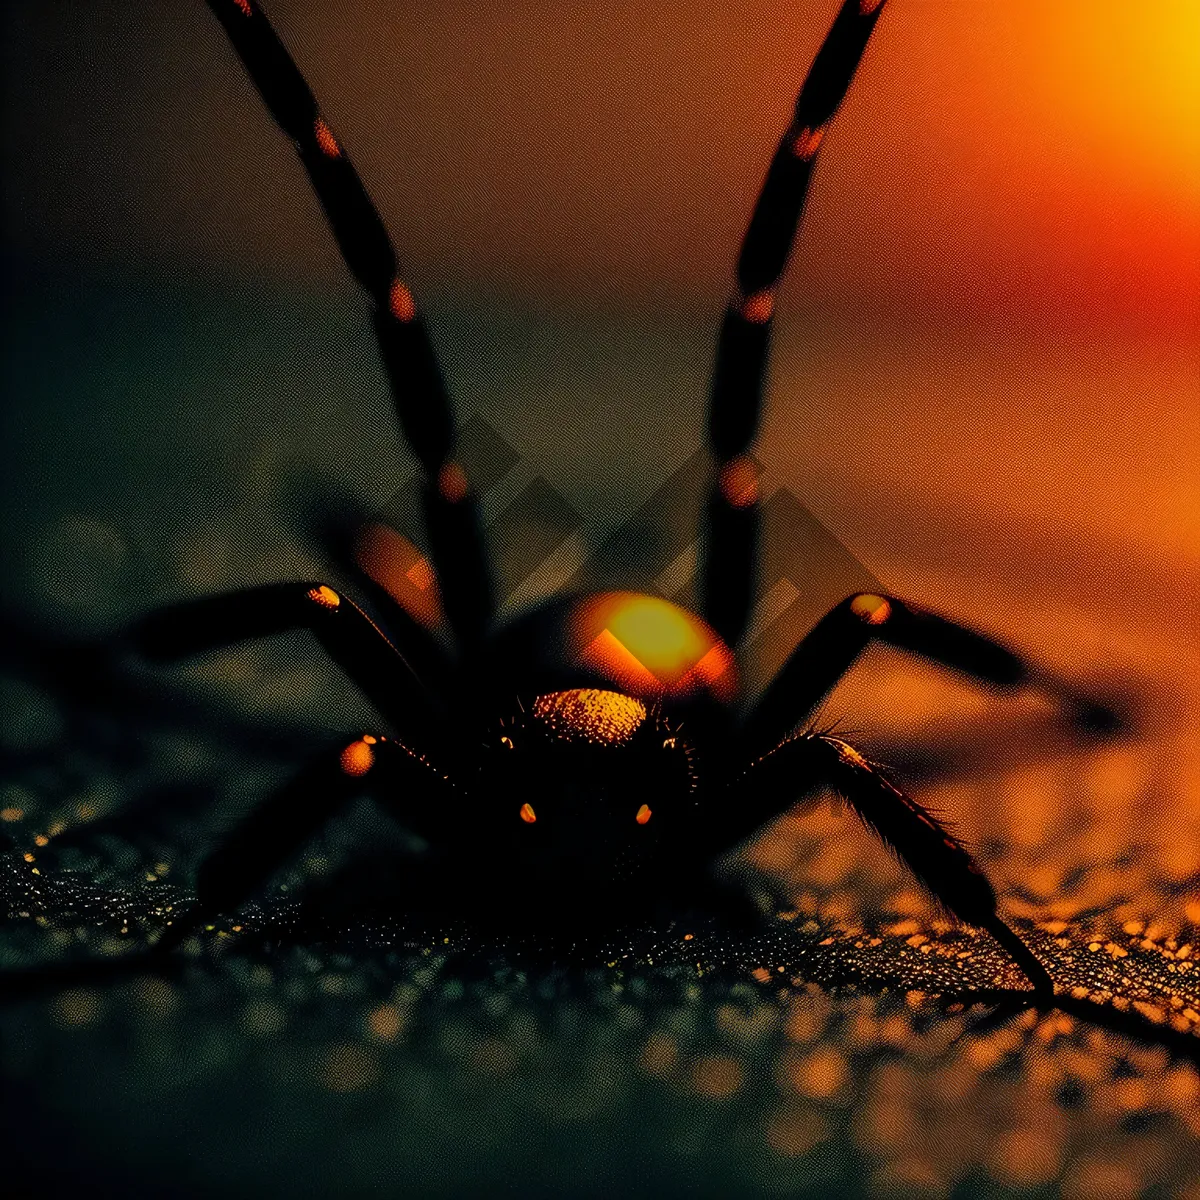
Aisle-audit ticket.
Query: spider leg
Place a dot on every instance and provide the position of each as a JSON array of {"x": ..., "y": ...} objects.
[
  {"x": 830, "y": 648},
  {"x": 736, "y": 399},
  {"x": 362, "y": 650},
  {"x": 402, "y": 781},
  {"x": 422, "y": 402},
  {"x": 923, "y": 843}
]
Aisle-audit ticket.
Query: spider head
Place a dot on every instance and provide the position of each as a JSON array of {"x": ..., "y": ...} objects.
[{"x": 587, "y": 788}]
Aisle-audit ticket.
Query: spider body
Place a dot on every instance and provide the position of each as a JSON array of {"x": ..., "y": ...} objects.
[
  {"x": 587, "y": 762},
  {"x": 590, "y": 796},
  {"x": 585, "y": 765}
]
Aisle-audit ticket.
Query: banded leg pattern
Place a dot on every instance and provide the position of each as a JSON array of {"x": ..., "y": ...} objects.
[
  {"x": 422, "y": 402},
  {"x": 736, "y": 399}
]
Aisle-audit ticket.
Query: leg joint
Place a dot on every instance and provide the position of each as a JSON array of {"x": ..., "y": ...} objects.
[
  {"x": 870, "y": 608},
  {"x": 322, "y": 596}
]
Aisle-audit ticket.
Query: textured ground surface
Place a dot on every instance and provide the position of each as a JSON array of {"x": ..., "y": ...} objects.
[{"x": 824, "y": 1054}]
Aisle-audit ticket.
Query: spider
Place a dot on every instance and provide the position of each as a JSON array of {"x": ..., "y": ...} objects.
[{"x": 583, "y": 764}]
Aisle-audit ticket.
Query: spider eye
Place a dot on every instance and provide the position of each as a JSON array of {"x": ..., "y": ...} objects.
[
  {"x": 643, "y": 814},
  {"x": 529, "y": 816},
  {"x": 507, "y": 743},
  {"x": 669, "y": 744}
]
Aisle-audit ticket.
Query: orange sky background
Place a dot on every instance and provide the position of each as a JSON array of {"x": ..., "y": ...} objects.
[{"x": 1003, "y": 155}]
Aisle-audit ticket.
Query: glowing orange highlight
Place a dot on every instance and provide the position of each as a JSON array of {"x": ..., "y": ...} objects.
[
  {"x": 452, "y": 482},
  {"x": 850, "y": 756},
  {"x": 607, "y": 656},
  {"x": 401, "y": 303},
  {"x": 385, "y": 1022},
  {"x": 647, "y": 646},
  {"x": 244, "y": 6},
  {"x": 867, "y": 7},
  {"x": 716, "y": 672},
  {"x": 326, "y": 597},
  {"x": 643, "y": 814},
  {"x": 394, "y": 563},
  {"x": 819, "y": 1075},
  {"x": 527, "y": 813},
  {"x": 717, "y": 1076},
  {"x": 758, "y": 307},
  {"x": 507, "y": 742},
  {"x": 738, "y": 481},
  {"x": 665, "y": 639},
  {"x": 873, "y": 610},
  {"x": 807, "y": 142},
  {"x": 421, "y": 574},
  {"x": 326, "y": 142},
  {"x": 357, "y": 758}
]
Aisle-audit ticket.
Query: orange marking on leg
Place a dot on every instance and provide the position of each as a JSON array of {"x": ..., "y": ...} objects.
[
  {"x": 401, "y": 304},
  {"x": 326, "y": 142},
  {"x": 357, "y": 758},
  {"x": 421, "y": 575},
  {"x": 738, "y": 481},
  {"x": 807, "y": 142},
  {"x": 527, "y": 813},
  {"x": 452, "y": 482},
  {"x": 326, "y": 597},
  {"x": 758, "y": 307},
  {"x": 873, "y": 610}
]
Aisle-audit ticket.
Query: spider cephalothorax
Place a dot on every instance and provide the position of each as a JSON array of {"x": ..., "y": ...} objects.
[
  {"x": 586, "y": 760},
  {"x": 589, "y": 793},
  {"x": 592, "y": 769}
]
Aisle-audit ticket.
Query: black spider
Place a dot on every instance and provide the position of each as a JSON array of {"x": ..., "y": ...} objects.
[{"x": 584, "y": 764}]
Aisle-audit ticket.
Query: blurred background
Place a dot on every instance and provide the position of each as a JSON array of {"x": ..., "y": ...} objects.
[{"x": 986, "y": 384}]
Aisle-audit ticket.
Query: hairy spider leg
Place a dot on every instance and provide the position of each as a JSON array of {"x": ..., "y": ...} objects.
[
  {"x": 371, "y": 660},
  {"x": 924, "y": 844},
  {"x": 730, "y": 540},
  {"x": 422, "y": 402},
  {"x": 831, "y": 647},
  {"x": 403, "y": 782}
]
